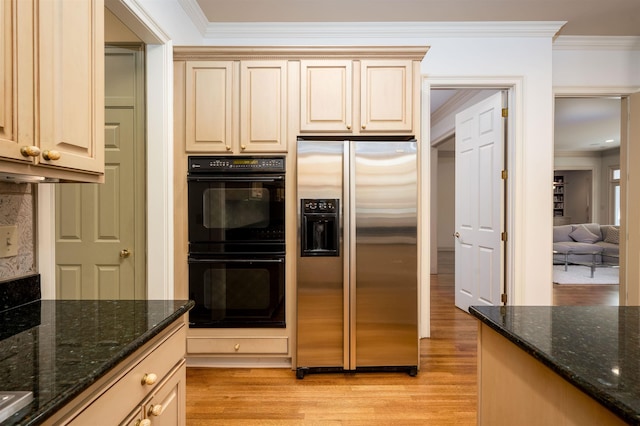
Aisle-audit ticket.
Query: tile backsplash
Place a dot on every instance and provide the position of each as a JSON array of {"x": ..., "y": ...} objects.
[{"x": 17, "y": 207}]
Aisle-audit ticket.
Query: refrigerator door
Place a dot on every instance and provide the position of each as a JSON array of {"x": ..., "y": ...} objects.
[
  {"x": 383, "y": 270},
  {"x": 321, "y": 333}
]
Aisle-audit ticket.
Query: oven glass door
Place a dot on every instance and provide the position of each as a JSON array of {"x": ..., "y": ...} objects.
[
  {"x": 231, "y": 209},
  {"x": 237, "y": 291}
]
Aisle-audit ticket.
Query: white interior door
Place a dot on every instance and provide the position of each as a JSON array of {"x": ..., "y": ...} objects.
[{"x": 479, "y": 203}]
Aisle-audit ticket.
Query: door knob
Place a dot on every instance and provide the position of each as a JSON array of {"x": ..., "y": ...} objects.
[
  {"x": 125, "y": 253},
  {"x": 457, "y": 235}
]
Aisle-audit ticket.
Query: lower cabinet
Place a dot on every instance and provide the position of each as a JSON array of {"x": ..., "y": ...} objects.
[
  {"x": 166, "y": 406},
  {"x": 148, "y": 388}
]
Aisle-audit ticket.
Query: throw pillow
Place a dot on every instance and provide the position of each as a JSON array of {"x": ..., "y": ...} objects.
[
  {"x": 613, "y": 235},
  {"x": 583, "y": 235}
]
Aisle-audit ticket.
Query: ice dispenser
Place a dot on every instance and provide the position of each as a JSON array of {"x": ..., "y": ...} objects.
[{"x": 320, "y": 227}]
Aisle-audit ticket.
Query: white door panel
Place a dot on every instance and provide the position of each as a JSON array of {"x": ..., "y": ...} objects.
[{"x": 479, "y": 203}]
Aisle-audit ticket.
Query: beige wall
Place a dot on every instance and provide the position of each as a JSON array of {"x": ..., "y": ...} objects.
[
  {"x": 446, "y": 200},
  {"x": 17, "y": 207}
]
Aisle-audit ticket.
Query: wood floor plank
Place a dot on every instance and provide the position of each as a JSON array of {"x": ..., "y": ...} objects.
[{"x": 443, "y": 393}]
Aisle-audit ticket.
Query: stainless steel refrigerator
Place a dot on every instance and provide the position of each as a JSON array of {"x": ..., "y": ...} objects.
[{"x": 357, "y": 286}]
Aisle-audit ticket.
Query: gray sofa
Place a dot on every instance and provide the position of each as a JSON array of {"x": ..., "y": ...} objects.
[{"x": 577, "y": 243}]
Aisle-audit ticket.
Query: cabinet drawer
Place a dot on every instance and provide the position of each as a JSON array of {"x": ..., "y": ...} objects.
[
  {"x": 245, "y": 345},
  {"x": 119, "y": 399}
]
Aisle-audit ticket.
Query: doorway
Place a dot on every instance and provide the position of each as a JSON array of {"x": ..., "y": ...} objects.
[
  {"x": 445, "y": 104},
  {"x": 100, "y": 229}
]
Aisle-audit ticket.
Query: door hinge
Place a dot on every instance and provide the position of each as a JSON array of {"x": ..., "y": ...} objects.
[
  {"x": 503, "y": 236},
  {"x": 504, "y": 175},
  {"x": 505, "y": 112},
  {"x": 503, "y": 298}
]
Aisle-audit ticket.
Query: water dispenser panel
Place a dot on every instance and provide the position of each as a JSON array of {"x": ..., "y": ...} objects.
[{"x": 320, "y": 227}]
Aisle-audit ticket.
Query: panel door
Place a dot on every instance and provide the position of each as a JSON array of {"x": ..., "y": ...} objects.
[
  {"x": 326, "y": 91},
  {"x": 479, "y": 199},
  {"x": 210, "y": 121},
  {"x": 386, "y": 96},
  {"x": 16, "y": 94},
  {"x": 95, "y": 223},
  {"x": 263, "y": 112},
  {"x": 91, "y": 233},
  {"x": 71, "y": 84}
]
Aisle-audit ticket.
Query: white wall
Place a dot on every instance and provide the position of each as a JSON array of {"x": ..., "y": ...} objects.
[{"x": 446, "y": 200}]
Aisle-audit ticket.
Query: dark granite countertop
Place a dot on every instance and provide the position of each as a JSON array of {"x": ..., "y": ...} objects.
[
  {"x": 57, "y": 349},
  {"x": 595, "y": 348}
]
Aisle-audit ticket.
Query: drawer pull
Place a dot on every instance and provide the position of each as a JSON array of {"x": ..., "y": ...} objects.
[
  {"x": 237, "y": 347},
  {"x": 51, "y": 155},
  {"x": 149, "y": 379},
  {"x": 155, "y": 410},
  {"x": 143, "y": 422},
  {"x": 30, "y": 151}
]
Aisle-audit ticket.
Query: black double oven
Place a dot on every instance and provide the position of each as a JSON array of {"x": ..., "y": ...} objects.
[{"x": 236, "y": 216}]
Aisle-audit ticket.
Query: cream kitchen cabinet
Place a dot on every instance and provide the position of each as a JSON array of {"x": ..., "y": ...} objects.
[
  {"x": 357, "y": 96},
  {"x": 236, "y": 106},
  {"x": 52, "y": 90},
  {"x": 150, "y": 384}
]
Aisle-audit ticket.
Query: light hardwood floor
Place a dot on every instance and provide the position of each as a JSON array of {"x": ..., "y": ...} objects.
[{"x": 444, "y": 392}]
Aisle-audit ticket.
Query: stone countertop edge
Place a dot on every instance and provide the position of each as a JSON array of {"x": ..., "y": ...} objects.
[
  {"x": 606, "y": 399},
  {"x": 59, "y": 402}
]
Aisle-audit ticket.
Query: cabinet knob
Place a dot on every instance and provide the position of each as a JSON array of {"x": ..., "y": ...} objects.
[
  {"x": 237, "y": 347},
  {"x": 243, "y": 147},
  {"x": 348, "y": 127},
  {"x": 124, "y": 253},
  {"x": 50, "y": 155},
  {"x": 149, "y": 379},
  {"x": 364, "y": 126},
  {"x": 143, "y": 422},
  {"x": 30, "y": 151},
  {"x": 155, "y": 410},
  {"x": 228, "y": 147}
]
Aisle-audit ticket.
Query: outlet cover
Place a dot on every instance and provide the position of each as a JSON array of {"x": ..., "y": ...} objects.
[{"x": 8, "y": 240}]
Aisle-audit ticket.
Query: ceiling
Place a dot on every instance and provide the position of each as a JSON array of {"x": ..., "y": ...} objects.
[{"x": 584, "y": 17}]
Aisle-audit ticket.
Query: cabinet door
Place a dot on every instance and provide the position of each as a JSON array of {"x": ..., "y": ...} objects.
[
  {"x": 386, "y": 96},
  {"x": 168, "y": 404},
  {"x": 263, "y": 101},
  {"x": 209, "y": 98},
  {"x": 71, "y": 83},
  {"x": 16, "y": 94},
  {"x": 326, "y": 90}
]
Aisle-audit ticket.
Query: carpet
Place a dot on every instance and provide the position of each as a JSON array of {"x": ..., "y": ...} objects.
[{"x": 578, "y": 274}]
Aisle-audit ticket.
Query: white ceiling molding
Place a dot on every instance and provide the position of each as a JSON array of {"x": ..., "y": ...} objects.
[
  {"x": 137, "y": 20},
  {"x": 195, "y": 13},
  {"x": 378, "y": 30},
  {"x": 596, "y": 43}
]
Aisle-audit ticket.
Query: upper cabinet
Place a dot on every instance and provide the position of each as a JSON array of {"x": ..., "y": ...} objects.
[
  {"x": 348, "y": 96},
  {"x": 52, "y": 92},
  {"x": 235, "y": 106},
  {"x": 239, "y": 100}
]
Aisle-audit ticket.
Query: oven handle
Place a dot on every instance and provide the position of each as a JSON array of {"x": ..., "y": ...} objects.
[
  {"x": 195, "y": 260},
  {"x": 235, "y": 178}
]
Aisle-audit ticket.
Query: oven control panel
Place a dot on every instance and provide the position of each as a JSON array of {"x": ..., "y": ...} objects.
[{"x": 209, "y": 164}]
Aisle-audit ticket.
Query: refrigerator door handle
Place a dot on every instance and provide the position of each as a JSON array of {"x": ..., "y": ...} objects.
[{"x": 350, "y": 151}]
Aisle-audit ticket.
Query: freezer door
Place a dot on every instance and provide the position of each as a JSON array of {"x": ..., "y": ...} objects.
[
  {"x": 320, "y": 291},
  {"x": 384, "y": 254}
]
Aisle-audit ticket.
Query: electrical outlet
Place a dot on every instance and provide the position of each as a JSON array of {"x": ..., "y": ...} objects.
[{"x": 8, "y": 240}]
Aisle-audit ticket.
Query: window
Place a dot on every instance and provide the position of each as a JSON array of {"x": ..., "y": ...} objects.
[{"x": 614, "y": 178}]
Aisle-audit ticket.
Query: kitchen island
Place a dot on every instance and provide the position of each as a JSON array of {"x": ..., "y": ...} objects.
[
  {"x": 558, "y": 365},
  {"x": 94, "y": 362}
]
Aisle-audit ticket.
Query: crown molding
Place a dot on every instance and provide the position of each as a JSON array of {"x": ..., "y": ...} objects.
[
  {"x": 377, "y": 30},
  {"x": 596, "y": 43},
  {"x": 195, "y": 13}
]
